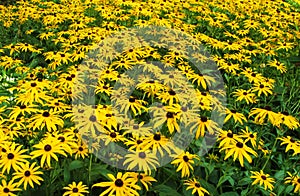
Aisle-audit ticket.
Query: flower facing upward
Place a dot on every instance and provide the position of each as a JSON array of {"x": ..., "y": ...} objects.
[
  {"x": 184, "y": 162},
  {"x": 13, "y": 158},
  {"x": 144, "y": 161},
  {"x": 262, "y": 179},
  {"x": 122, "y": 185},
  {"x": 48, "y": 148},
  {"x": 239, "y": 150},
  {"x": 196, "y": 186},
  {"x": 28, "y": 174},
  {"x": 75, "y": 189}
]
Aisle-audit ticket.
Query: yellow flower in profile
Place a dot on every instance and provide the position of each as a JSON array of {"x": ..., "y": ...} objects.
[
  {"x": 145, "y": 179},
  {"x": 294, "y": 180},
  {"x": 196, "y": 186},
  {"x": 184, "y": 163},
  {"x": 75, "y": 189},
  {"x": 28, "y": 175},
  {"x": 121, "y": 185},
  {"x": 239, "y": 150},
  {"x": 238, "y": 117},
  {"x": 262, "y": 179}
]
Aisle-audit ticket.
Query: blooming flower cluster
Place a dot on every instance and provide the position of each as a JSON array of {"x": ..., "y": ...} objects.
[{"x": 48, "y": 140}]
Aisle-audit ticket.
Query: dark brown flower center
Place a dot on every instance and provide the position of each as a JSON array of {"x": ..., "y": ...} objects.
[
  {"x": 6, "y": 190},
  {"x": 139, "y": 141},
  {"x": 22, "y": 107},
  {"x": 46, "y": 114},
  {"x": 93, "y": 118},
  {"x": 245, "y": 93},
  {"x": 47, "y": 148},
  {"x": 33, "y": 84},
  {"x": 142, "y": 155},
  {"x": 285, "y": 113},
  {"x": 239, "y": 145},
  {"x": 119, "y": 183},
  {"x": 69, "y": 78},
  {"x": 197, "y": 185},
  {"x": 61, "y": 138},
  {"x": 80, "y": 148},
  {"x": 263, "y": 177},
  {"x": 185, "y": 158},
  {"x": 10, "y": 155},
  {"x": 251, "y": 135},
  {"x": 75, "y": 190},
  {"x": 170, "y": 115},
  {"x": 233, "y": 111},
  {"x": 268, "y": 108},
  {"x": 113, "y": 135},
  {"x": 261, "y": 86},
  {"x": 171, "y": 92},
  {"x": 292, "y": 140},
  {"x": 157, "y": 137},
  {"x": 230, "y": 135},
  {"x": 131, "y": 99},
  {"x": 203, "y": 118},
  {"x": 27, "y": 173}
]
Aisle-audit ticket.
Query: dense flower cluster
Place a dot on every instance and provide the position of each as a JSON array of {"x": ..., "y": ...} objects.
[{"x": 42, "y": 140}]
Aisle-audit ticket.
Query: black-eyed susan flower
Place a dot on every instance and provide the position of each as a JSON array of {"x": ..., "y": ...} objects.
[
  {"x": 246, "y": 95},
  {"x": 291, "y": 144},
  {"x": 76, "y": 189},
  {"x": 47, "y": 149},
  {"x": 262, "y": 179},
  {"x": 202, "y": 125},
  {"x": 13, "y": 157},
  {"x": 141, "y": 160},
  {"x": 49, "y": 119},
  {"x": 294, "y": 180},
  {"x": 239, "y": 150},
  {"x": 263, "y": 113},
  {"x": 8, "y": 189},
  {"x": 145, "y": 179},
  {"x": 196, "y": 187},
  {"x": 121, "y": 185},
  {"x": 238, "y": 117},
  {"x": 28, "y": 174},
  {"x": 184, "y": 162}
]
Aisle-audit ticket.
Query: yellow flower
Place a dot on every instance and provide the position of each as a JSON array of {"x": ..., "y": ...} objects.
[
  {"x": 28, "y": 175},
  {"x": 13, "y": 157},
  {"x": 75, "y": 189},
  {"x": 262, "y": 179},
  {"x": 142, "y": 161},
  {"x": 7, "y": 189},
  {"x": 196, "y": 186},
  {"x": 238, "y": 117},
  {"x": 294, "y": 180},
  {"x": 48, "y": 148},
  {"x": 121, "y": 185},
  {"x": 184, "y": 163},
  {"x": 239, "y": 150}
]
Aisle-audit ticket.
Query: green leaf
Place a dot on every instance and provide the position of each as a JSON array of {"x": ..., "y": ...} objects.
[
  {"x": 164, "y": 190},
  {"x": 76, "y": 164},
  {"x": 229, "y": 194},
  {"x": 224, "y": 179},
  {"x": 67, "y": 174},
  {"x": 209, "y": 187}
]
